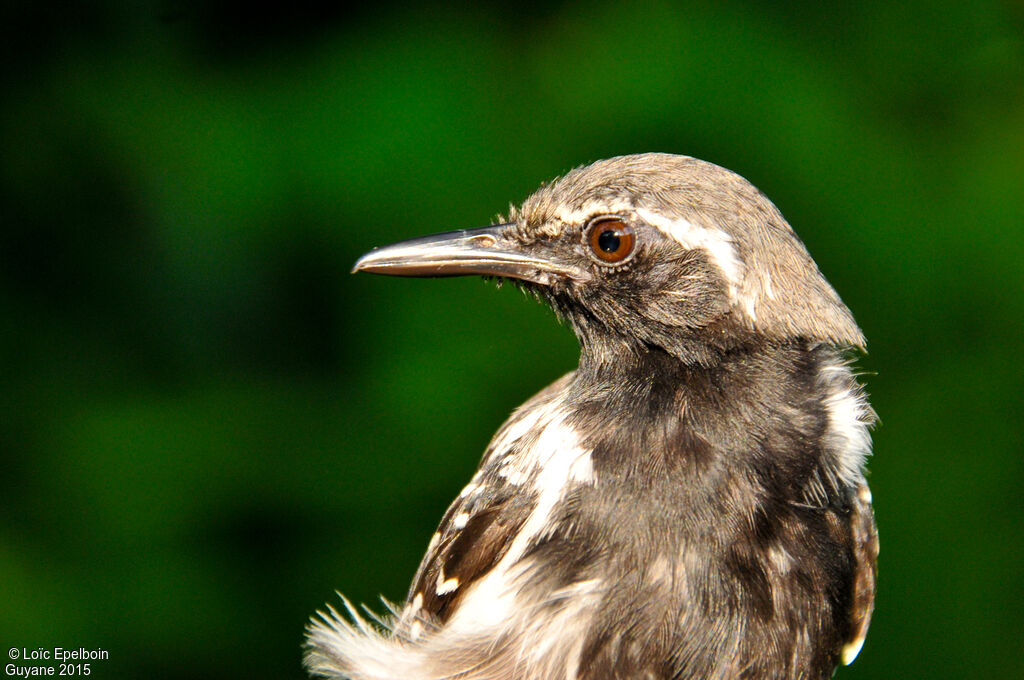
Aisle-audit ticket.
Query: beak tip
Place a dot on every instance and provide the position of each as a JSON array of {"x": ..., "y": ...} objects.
[{"x": 360, "y": 264}]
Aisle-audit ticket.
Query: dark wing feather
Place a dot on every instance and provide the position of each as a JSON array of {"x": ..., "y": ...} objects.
[
  {"x": 480, "y": 526},
  {"x": 464, "y": 555},
  {"x": 865, "y": 551}
]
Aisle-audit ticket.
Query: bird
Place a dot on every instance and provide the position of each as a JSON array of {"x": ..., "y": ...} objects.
[{"x": 691, "y": 501}]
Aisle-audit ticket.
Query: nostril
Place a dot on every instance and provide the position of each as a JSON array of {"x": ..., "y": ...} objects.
[{"x": 483, "y": 240}]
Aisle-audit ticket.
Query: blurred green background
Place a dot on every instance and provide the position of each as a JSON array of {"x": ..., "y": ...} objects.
[{"x": 207, "y": 426}]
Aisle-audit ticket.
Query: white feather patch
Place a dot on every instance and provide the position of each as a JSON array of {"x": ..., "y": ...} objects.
[
  {"x": 715, "y": 242},
  {"x": 852, "y": 649},
  {"x": 521, "y": 422},
  {"x": 338, "y": 643},
  {"x": 849, "y": 420},
  {"x": 447, "y": 586},
  {"x": 553, "y": 463}
]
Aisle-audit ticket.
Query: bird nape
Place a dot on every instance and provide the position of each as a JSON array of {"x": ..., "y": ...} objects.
[{"x": 690, "y": 502}]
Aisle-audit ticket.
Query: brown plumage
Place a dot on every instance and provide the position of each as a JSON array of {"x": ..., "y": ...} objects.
[{"x": 691, "y": 501}]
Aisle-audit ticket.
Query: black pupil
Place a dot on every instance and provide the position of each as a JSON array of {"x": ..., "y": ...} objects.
[{"x": 608, "y": 241}]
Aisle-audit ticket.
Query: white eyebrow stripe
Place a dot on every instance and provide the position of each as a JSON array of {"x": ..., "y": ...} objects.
[{"x": 715, "y": 242}]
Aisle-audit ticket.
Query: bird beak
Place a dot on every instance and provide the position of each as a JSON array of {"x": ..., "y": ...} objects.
[{"x": 487, "y": 251}]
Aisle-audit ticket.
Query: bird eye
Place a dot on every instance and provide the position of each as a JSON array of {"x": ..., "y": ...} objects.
[{"x": 611, "y": 241}]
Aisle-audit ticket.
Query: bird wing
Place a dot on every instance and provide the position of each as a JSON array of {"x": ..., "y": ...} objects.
[
  {"x": 464, "y": 553},
  {"x": 480, "y": 525},
  {"x": 865, "y": 551}
]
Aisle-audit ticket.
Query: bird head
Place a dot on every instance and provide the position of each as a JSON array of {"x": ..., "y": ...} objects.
[{"x": 648, "y": 251}]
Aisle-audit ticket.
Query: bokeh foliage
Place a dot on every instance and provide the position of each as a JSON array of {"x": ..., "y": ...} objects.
[{"x": 206, "y": 425}]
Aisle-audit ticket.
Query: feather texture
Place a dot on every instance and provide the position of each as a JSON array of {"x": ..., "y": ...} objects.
[{"x": 691, "y": 501}]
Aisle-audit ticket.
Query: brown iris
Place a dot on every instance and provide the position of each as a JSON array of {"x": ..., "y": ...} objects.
[{"x": 610, "y": 240}]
